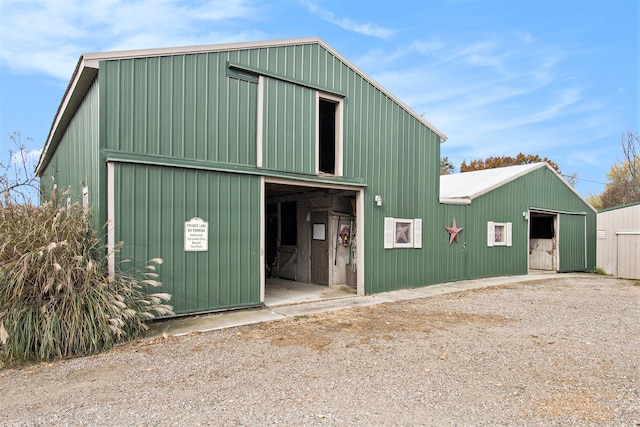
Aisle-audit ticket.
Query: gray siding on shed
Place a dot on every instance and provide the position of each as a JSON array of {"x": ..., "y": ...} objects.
[{"x": 619, "y": 241}]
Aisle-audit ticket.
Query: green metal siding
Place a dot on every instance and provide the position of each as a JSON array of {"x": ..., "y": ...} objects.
[
  {"x": 152, "y": 204},
  {"x": 505, "y": 204},
  {"x": 398, "y": 156},
  {"x": 289, "y": 135},
  {"x": 450, "y": 260},
  {"x": 184, "y": 106},
  {"x": 572, "y": 243},
  {"x": 75, "y": 162},
  {"x": 552, "y": 192},
  {"x": 541, "y": 189},
  {"x": 188, "y": 106}
]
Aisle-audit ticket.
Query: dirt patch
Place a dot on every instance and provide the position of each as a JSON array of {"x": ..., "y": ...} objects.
[{"x": 381, "y": 322}]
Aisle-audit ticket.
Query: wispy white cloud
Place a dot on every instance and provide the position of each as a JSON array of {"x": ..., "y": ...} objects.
[
  {"x": 366, "y": 29},
  {"x": 48, "y": 36},
  {"x": 25, "y": 159},
  {"x": 494, "y": 96}
]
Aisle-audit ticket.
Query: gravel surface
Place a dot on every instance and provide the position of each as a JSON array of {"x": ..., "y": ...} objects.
[{"x": 562, "y": 351}]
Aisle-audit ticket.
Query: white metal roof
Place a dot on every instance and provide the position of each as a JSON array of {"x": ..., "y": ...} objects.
[{"x": 462, "y": 188}]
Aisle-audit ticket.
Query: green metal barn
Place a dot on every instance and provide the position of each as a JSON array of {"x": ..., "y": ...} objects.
[
  {"x": 519, "y": 219},
  {"x": 240, "y": 163}
]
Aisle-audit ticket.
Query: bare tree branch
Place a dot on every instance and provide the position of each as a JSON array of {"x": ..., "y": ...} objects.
[{"x": 18, "y": 181}]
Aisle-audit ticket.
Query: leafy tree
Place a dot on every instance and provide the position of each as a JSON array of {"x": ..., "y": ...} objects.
[
  {"x": 501, "y": 161},
  {"x": 446, "y": 167},
  {"x": 623, "y": 186},
  {"x": 595, "y": 201}
]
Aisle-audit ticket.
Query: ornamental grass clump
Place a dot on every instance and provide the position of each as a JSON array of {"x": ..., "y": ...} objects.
[{"x": 57, "y": 298}]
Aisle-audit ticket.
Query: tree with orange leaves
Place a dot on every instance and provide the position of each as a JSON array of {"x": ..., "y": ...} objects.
[{"x": 502, "y": 161}]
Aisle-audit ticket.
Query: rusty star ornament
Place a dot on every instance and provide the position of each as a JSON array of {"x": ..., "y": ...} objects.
[{"x": 454, "y": 230}]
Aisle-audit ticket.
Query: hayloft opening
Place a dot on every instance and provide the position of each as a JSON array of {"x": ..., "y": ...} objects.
[{"x": 327, "y": 136}]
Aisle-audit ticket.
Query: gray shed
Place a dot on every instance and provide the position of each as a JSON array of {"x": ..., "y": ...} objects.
[{"x": 618, "y": 241}]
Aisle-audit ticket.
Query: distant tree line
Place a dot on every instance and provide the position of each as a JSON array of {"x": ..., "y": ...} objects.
[{"x": 502, "y": 161}]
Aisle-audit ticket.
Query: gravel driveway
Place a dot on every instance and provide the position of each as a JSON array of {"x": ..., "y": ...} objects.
[{"x": 560, "y": 351}]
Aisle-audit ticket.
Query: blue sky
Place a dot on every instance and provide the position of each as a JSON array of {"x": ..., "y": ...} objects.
[{"x": 555, "y": 78}]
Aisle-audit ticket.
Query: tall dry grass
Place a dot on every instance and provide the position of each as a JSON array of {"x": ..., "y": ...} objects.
[{"x": 56, "y": 296}]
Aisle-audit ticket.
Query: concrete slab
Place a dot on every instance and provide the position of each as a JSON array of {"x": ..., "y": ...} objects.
[
  {"x": 329, "y": 305},
  {"x": 210, "y": 322}
]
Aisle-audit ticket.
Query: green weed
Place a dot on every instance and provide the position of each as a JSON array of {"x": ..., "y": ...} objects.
[{"x": 600, "y": 271}]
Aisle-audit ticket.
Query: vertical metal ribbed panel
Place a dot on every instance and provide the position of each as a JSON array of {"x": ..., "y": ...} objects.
[
  {"x": 398, "y": 156},
  {"x": 541, "y": 189},
  {"x": 572, "y": 243},
  {"x": 75, "y": 162},
  {"x": 289, "y": 136},
  {"x": 611, "y": 252},
  {"x": 181, "y": 106},
  {"x": 506, "y": 205},
  {"x": 152, "y": 204}
]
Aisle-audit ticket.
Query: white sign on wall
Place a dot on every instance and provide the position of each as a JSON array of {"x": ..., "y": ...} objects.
[{"x": 196, "y": 235}]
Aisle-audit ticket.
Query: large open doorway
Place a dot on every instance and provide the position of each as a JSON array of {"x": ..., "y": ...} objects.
[
  {"x": 310, "y": 242},
  {"x": 543, "y": 241}
]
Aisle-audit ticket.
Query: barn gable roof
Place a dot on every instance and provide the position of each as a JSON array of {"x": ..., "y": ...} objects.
[
  {"x": 463, "y": 188},
  {"x": 88, "y": 64}
]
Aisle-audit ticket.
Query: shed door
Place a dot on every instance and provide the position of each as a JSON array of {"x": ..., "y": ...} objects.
[
  {"x": 319, "y": 248},
  {"x": 628, "y": 255},
  {"x": 573, "y": 242}
]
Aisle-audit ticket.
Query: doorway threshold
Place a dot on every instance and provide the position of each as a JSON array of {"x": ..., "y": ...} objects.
[
  {"x": 537, "y": 271},
  {"x": 280, "y": 292}
]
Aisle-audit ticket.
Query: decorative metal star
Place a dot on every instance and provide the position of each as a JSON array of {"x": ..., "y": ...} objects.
[{"x": 454, "y": 230}]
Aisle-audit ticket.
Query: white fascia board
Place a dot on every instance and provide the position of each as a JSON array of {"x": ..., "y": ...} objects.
[
  {"x": 81, "y": 80},
  {"x": 455, "y": 201},
  {"x": 167, "y": 51}
]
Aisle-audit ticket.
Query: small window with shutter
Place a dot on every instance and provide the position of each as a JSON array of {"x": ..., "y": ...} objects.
[
  {"x": 498, "y": 234},
  {"x": 402, "y": 233}
]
